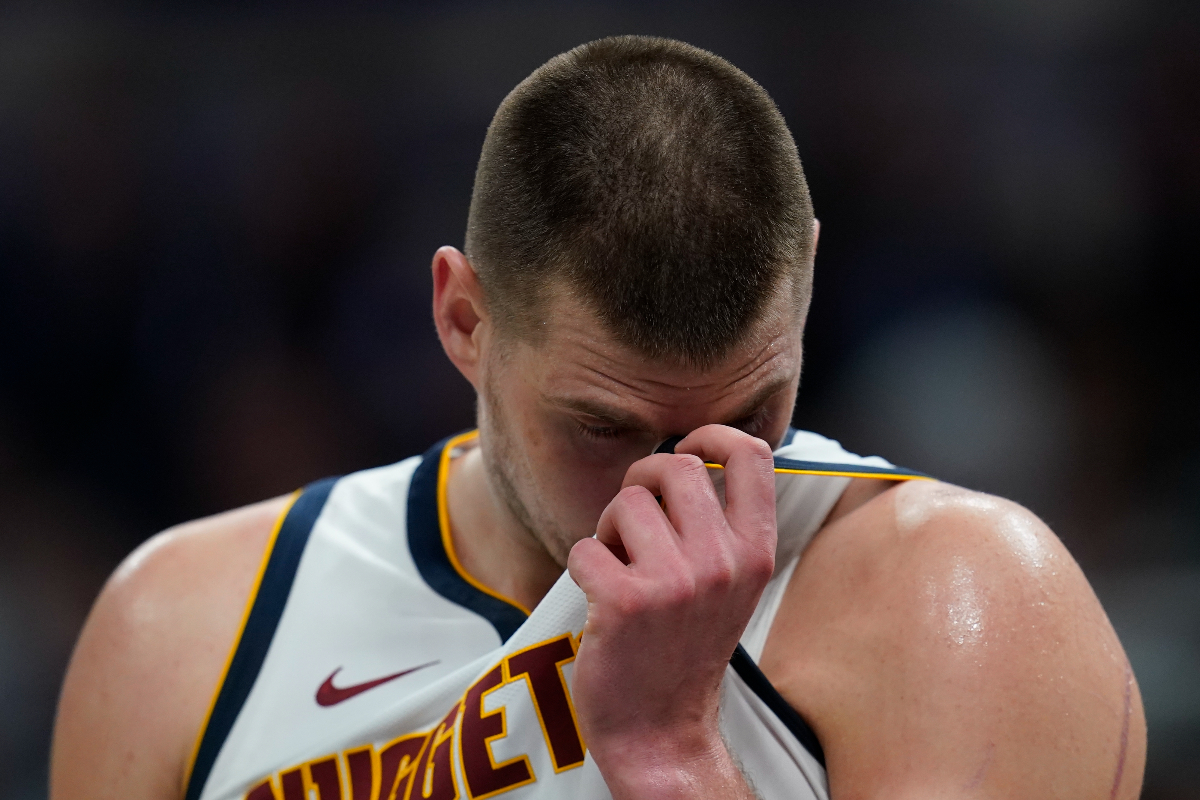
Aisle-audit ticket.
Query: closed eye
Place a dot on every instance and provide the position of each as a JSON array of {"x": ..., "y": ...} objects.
[
  {"x": 752, "y": 423},
  {"x": 598, "y": 432}
]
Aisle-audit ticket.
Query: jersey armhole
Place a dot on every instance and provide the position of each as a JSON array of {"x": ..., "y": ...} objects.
[
  {"x": 268, "y": 596},
  {"x": 758, "y": 683}
]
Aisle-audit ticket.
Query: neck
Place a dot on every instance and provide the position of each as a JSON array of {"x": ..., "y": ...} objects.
[{"x": 491, "y": 544}]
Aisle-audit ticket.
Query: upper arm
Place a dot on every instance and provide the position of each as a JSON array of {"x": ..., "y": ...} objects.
[
  {"x": 150, "y": 656},
  {"x": 943, "y": 643}
]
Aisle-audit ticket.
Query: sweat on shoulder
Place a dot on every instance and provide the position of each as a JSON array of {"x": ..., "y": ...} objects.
[{"x": 553, "y": 605}]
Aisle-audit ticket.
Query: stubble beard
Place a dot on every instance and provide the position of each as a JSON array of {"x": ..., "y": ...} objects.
[{"x": 507, "y": 469}]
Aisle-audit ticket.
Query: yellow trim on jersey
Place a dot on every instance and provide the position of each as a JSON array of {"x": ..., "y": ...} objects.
[
  {"x": 262, "y": 568},
  {"x": 883, "y": 476},
  {"x": 444, "y": 521}
]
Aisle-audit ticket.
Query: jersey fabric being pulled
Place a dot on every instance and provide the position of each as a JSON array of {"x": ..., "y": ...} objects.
[{"x": 371, "y": 666}]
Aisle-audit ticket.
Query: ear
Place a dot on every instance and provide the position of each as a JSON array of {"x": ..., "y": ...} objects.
[{"x": 458, "y": 311}]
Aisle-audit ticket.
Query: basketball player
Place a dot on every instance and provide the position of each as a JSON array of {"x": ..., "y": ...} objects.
[{"x": 544, "y": 608}]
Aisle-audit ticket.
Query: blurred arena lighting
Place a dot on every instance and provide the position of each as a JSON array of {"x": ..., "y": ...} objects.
[
  {"x": 968, "y": 394},
  {"x": 216, "y": 225},
  {"x": 1156, "y": 613}
]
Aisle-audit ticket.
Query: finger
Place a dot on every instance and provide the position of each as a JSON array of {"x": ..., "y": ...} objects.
[
  {"x": 749, "y": 474},
  {"x": 690, "y": 500},
  {"x": 594, "y": 568},
  {"x": 633, "y": 520}
]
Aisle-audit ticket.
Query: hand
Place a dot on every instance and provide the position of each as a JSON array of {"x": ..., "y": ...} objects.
[{"x": 669, "y": 594}]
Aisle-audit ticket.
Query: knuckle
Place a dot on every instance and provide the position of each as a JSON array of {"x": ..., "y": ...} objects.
[
  {"x": 692, "y": 478},
  {"x": 751, "y": 564},
  {"x": 668, "y": 590},
  {"x": 688, "y": 465},
  {"x": 661, "y": 596},
  {"x": 721, "y": 574},
  {"x": 761, "y": 566},
  {"x": 679, "y": 590},
  {"x": 628, "y": 493},
  {"x": 633, "y": 496},
  {"x": 758, "y": 450},
  {"x": 631, "y": 603}
]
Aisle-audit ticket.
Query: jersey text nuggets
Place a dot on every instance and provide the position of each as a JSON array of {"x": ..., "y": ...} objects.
[{"x": 421, "y": 765}]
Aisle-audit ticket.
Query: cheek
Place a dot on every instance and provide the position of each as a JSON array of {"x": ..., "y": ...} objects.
[
  {"x": 584, "y": 476},
  {"x": 773, "y": 435},
  {"x": 780, "y": 420},
  {"x": 582, "y": 495},
  {"x": 573, "y": 481}
]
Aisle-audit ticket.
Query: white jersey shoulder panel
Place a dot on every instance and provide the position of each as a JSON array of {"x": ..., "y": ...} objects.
[{"x": 371, "y": 667}]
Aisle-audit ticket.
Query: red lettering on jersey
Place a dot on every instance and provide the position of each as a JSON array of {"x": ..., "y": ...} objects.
[
  {"x": 541, "y": 665},
  {"x": 264, "y": 791},
  {"x": 361, "y": 769},
  {"x": 293, "y": 785},
  {"x": 398, "y": 764},
  {"x": 426, "y": 760},
  {"x": 437, "y": 779},
  {"x": 327, "y": 778},
  {"x": 484, "y": 777}
]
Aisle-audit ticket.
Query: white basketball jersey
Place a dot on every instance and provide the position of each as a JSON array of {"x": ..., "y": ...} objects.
[{"x": 371, "y": 666}]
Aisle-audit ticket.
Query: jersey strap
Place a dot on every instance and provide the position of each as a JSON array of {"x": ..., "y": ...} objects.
[
  {"x": 754, "y": 678},
  {"x": 258, "y": 628},
  {"x": 432, "y": 549},
  {"x": 791, "y": 466}
]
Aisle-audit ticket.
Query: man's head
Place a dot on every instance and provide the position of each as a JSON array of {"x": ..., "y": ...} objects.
[
  {"x": 638, "y": 263},
  {"x": 656, "y": 182}
]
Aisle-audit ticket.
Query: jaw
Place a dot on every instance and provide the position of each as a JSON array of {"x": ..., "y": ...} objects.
[
  {"x": 507, "y": 468},
  {"x": 541, "y": 537}
]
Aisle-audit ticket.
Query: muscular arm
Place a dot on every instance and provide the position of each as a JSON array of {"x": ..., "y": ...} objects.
[
  {"x": 150, "y": 655},
  {"x": 943, "y": 643}
]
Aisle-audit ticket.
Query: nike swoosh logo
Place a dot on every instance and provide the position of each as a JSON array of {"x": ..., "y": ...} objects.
[{"x": 330, "y": 695}]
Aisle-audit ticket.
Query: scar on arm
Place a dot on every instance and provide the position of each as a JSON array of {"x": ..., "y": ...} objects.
[
  {"x": 1124, "y": 745},
  {"x": 976, "y": 781}
]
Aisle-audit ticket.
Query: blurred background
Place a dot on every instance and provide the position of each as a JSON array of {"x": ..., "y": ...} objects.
[{"x": 216, "y": 224}]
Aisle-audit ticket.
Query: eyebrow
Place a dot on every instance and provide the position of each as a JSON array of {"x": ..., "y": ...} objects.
[
  {"x": 760, "y": 398},
  {"x": 601, "y": 411},
  {"x": 617, "y": 417}
]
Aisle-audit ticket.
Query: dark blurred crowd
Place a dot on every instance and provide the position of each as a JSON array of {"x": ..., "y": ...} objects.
[{"x": 216, "y": 225}]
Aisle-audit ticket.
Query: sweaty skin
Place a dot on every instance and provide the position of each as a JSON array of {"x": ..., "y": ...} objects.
[
  {"x": 942, "y": 643},
  {"x": 962, "y": 630},
  {"x": 150, "y": 655}
]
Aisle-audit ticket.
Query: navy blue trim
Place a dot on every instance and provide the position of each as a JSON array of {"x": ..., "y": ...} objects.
[
  {"x": 668, "y": 446},
  {"x": 753, "y": 677},
  {"x": 429, "y": 554},
  {"x": 789, "y": 436},
  {"x": 260, "y": 627},
  {"x": 862, "y": 469}
]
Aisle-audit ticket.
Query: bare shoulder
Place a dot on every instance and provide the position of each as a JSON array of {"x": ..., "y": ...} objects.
[
  {"x": 943, "y": 642},
  {"x": 150, "y": 655}
]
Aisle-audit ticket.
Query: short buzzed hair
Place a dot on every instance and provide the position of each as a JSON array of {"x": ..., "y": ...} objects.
[{"x": 655, "y": 181}]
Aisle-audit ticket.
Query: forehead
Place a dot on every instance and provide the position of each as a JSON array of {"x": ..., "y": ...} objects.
[{"x": 577, "y": 360}]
